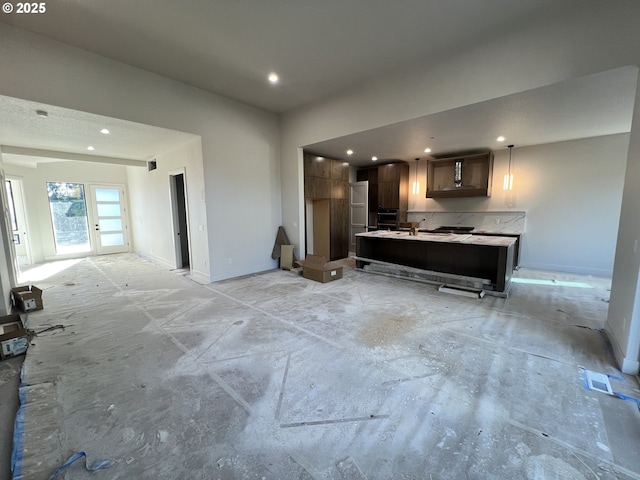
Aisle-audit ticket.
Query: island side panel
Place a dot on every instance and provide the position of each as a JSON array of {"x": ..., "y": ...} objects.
[{"x": 493, "y": 263}]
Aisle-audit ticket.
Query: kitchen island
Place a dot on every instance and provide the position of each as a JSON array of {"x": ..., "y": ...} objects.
[{"x": 482, "y": 260}]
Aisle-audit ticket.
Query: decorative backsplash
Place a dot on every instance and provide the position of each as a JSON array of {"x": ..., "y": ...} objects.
[{"x": 498, "y": 222}]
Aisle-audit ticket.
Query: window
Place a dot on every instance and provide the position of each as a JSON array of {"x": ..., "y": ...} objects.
[{"x": 69, "y": 217}]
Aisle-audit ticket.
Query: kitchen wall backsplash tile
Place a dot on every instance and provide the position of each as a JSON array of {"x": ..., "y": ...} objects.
[{"x": 498, "y": 222}]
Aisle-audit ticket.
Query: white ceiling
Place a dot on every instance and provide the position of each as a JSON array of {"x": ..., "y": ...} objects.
[
  {"x": 318, "y": 48},
  {"x": 65, "y": 130}
]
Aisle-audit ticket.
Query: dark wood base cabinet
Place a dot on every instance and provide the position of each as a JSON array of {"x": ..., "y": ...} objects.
[{"x": 493, "y": 262}]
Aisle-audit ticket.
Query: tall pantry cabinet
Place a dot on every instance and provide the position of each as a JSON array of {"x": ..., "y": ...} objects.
[{"x": 326, "y": 188}]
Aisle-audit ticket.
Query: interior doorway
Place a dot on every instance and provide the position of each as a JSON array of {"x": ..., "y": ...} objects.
[{"x": 179, "y": 210}]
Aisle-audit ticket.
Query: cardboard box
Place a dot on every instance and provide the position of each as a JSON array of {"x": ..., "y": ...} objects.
[
  {"x": 14, "y": 339},
  {"x": 316, "y": 267},
  {"x": 27, "y": 299},
  {"x": 286, "y": 257}
]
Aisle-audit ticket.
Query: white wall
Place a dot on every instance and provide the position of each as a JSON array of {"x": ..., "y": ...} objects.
[
  {"x": 240, "y": 144},
  {"x": 34, "y": 180},
  {"x": 150, "y": 204},
  {"x": 571, "y": 192},
  {"x": 623, "y": 320}
]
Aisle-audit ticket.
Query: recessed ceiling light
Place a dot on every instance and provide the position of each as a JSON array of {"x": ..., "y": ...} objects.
[
  {"x": 349, "y": 152},
  {"x": 500, "y": 139},
  {"x": 273, "y": 77},
  {"x": 374, "y": 158},
  {"x": 105, "y": 131},
  {"x": 427, "y": 150},
  {"x": 90, "y": 148},
  {"x": 42, "y": 113}
]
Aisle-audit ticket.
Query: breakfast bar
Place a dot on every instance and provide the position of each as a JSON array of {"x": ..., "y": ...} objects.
[{"x": 490, "y": 259}]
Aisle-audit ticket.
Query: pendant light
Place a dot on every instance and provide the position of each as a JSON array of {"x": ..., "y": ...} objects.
[
  {"x": 416, "y": 184},
  {"x": 508, "y": 178}
]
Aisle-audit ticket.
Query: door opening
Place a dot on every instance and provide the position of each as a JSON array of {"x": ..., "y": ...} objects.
[{"x": 180, "y": 222}]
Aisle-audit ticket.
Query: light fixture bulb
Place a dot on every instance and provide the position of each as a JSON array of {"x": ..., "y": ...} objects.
[
  {"x": 500, "y": 139},
  {"x": 374, "y": 158},
  {"x": 90, "y": 147},
  {"x": 416, "y": 185},
  {"x": 273, "y": 77},
  {"x": 507, "y": 183},
  {"x": 427, "y": 150},
  {"x": 105, "y": 131},
  {"x": 349, "y": 152}
]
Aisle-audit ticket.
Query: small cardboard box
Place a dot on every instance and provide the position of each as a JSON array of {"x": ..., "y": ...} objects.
[
  {"x": 316, "y": 267},
  {"x": 286, "y": 257},
  {"x": 26, "y": 298},
  {"x": 14, "y": 339}
]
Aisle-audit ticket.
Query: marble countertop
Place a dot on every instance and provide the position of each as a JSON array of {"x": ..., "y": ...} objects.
[
  {"x": 442, "y": 237},
  {"x": 495, "y": 232}
]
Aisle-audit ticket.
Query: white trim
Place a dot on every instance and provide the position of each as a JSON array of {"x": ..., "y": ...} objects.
[
  {"x": 200, "y": 277},
  {"x": 627, "y": 365}
]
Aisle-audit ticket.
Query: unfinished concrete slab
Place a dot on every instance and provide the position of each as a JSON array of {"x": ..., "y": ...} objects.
[{"x": 273, "y": 376}]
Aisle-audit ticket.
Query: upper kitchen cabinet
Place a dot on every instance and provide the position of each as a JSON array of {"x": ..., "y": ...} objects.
[
  {"x": 315, "y": 166},
  {"x": 325, "y": 178},
  {"x": 463, "y": 176},
  {"x": 393, "y": 186}
]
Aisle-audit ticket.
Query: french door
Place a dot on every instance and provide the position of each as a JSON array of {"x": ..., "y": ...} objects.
[{"x": 109, "y": 219}]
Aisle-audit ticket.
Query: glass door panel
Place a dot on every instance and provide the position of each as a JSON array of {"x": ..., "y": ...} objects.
[{"x": 109, "y": 225}]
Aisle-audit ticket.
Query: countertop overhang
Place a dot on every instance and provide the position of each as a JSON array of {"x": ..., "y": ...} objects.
[{"x": 466, "y": 238}]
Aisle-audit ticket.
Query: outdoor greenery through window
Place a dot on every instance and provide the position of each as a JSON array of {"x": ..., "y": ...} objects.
[{"x": 69, "y": 217}]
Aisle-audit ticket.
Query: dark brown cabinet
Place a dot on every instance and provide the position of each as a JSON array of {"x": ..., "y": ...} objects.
[
  {"x": 463, "y": 176},
  {"x": 326, "y": 185},
  {"x": 388, "y": 190},
  {"x": 339, "y": 228}
]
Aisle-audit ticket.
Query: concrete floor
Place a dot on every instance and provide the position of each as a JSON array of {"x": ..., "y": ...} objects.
[
  {"x": 9, "y": 402},
  {"x": 273, "y": 376}
]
